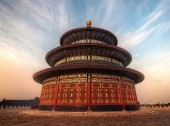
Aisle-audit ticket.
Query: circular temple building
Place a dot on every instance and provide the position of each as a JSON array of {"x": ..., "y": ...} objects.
[{"x": 88, "y": 72}]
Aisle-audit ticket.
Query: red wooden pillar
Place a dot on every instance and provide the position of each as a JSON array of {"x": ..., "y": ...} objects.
[
  {"x": 135, "y": 94},
  {"x": 121, "y": 95},
  {"x": 89, "y": 91},
  {"x": 88, "y": 96},
  {"x": 56, "y": 96},
  {"x": 56, "y": 93},
  {"x": 42, "y": 90}
]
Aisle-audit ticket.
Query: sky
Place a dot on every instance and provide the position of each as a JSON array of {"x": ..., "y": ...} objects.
[{"x": 31, "y": 28}]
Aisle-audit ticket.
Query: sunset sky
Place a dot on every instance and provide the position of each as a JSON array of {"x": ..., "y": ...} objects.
[{"x": 31, "y": 28}]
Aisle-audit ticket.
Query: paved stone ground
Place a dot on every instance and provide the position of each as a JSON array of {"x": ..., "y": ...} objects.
[{"x": 27, "y": 117}]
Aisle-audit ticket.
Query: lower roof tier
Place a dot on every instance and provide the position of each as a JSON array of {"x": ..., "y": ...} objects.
[{"x": 90, "y": 68}]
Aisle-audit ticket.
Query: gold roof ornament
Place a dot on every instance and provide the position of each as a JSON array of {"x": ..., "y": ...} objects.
[{"x": 88, "y": 23}]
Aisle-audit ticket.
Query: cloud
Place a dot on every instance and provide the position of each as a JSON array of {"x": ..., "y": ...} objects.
[
  {"x": 152, "y": 23},
  {"x": 28, "y": 30},
  {"x": 151, "y": 18}
]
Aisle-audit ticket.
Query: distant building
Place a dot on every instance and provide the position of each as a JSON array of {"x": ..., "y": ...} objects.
[
  {"x": 88, "y": 73},
  {"x": 19, "y": 103}
]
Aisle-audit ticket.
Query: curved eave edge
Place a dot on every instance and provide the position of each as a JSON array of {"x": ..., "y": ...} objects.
[{"x": 126, "y": 71}]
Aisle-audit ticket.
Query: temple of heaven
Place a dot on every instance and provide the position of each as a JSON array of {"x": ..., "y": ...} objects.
[{"x": 88, "y": 72}]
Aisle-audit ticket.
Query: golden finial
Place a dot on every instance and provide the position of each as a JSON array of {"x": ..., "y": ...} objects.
[{"x": 88, "y": 23}]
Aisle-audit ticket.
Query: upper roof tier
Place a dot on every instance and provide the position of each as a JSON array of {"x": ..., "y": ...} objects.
[{"x": 90, "y": 33}]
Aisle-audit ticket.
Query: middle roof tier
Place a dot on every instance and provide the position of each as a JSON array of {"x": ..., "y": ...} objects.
[{"x": 89, "y": 52}]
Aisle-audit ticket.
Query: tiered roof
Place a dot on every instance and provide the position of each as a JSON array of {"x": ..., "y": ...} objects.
[{"x": 107, "y": 47}]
